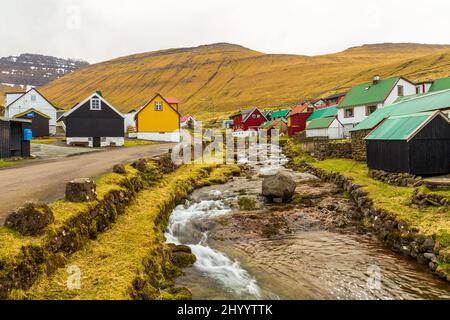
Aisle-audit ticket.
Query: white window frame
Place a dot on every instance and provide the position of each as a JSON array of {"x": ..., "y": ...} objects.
[
  {"x": 96, "y": 108},
  {"x": 158, "y": 106}
]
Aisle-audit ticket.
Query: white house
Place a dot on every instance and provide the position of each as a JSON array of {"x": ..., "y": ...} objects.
[
  {"x": 16, "y": 103},
  {"x": 329, "y": 128},
  {"x": 130, "y": 122},
  {"x": 362, "y": 100}
]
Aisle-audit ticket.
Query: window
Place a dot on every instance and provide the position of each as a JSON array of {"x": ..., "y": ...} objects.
[
  {"x": 96, "y": 104},
  {"x": 349, "y": 113},
  {"x": 370, "y": 110},
  {"x": 33, "y": 98},
  {"x": 310, "y": 109},
  {"x": 253, "y": 116},
  {"x": 400, "y": 91},
  {"x": 258, "y": 116},
  {"x": 158, "y": 106}
]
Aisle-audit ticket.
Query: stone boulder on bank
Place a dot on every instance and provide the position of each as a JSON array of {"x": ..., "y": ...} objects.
[
  {"x": 81, "y": 190},
  {"x": 278, "y": 187},
  {"x": 31, "y": 219}
]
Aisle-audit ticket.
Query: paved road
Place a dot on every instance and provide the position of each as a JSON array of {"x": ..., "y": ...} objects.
[{"x": 45, "y": 181}]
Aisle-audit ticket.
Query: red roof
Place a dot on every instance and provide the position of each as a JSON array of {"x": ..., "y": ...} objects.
[
  {"x": 184, "y": 119},
  {"x": 172, "y": 100},
  {"x": 298, "y": 109}
]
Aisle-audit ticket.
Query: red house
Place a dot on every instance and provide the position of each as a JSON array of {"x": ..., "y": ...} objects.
[
  {"x": 297, "y": 118},
  {"x": 248, "y": 120}
]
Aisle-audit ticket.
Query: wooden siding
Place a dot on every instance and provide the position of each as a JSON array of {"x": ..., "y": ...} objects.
[
  {"x": 85, "y": 122},
  {"x": 40, "y": 124},
  {"x": 427, "y": 153}
]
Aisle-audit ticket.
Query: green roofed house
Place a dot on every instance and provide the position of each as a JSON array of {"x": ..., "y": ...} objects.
[
  {"x": 417, "y": 143},
  {"x": 329, "y": 127},
  {"x": 440, "y": 84},
  {"x": 280, "y": 114},
  {"x": 430, "y": 101},
  {"x": 364, "y": 99},
  {"x": 324, "y": 113}
]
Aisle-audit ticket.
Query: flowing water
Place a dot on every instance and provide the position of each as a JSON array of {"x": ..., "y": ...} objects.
[{"x": 288, "y": 251}]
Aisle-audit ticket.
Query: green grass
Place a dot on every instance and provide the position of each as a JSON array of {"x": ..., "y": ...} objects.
[
  {"x": 397, "y": 200},
  {"x": 111, "y": 263},
  {"x": 5, "y": 164},
  {"x": 11, "y": 242},
  {"x": 137, "y": 142},
  {"x": 44, "y": 141}
]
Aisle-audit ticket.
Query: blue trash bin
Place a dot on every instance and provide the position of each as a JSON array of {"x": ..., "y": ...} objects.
[{"x": 27, "y": 134}]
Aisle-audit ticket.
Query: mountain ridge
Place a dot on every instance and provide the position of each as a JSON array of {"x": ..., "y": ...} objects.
[{"x": 224, "y": 77}]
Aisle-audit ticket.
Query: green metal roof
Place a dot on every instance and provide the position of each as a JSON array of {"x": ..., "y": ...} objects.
[
  {"x": 368, "y": 93},
  {"x": 280, "y": 114},
  {"x": 266, "y": 124},
  {"x": 440, "y": 84},
  {"x": 429, "y": 102},
  {"x": 400, "y": 127},
  {"x": 420, "y": 103},
  {"x": 375, "y": 118},
  {"x": 323, "y": 113},
  {"x": 320, "y": 123}
]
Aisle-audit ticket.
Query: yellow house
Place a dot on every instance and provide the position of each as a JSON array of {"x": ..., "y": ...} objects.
[{"x": 159, "y": 120}]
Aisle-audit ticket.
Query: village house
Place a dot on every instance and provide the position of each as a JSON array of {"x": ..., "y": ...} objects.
[
  {"x": 277, "y": 124},
  {"x": 15, "y": 137},
  {"x": 416, "y": 143},
  {"x": 94, "y": 123},
  {"x": 334, "y": 99},
  {"x": 364, "y": 99},
  {"x": 280, "y": 114},
  {"x": 23, "y": 102},
  {"x": 431, "y": 101},
  {"x": 188, "y": 121},
  {"x": 247, "y": 122},
  {"x": 298, "y": 117},
  {"x": 40, "y": 122},
  {"x": 130, "y": 123},
  {"x": 159, "y": 120},
  {"x": 328, "y": 127}
]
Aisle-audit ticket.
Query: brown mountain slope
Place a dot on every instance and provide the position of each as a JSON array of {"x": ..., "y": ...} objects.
[{"x": 224, "y": 77}]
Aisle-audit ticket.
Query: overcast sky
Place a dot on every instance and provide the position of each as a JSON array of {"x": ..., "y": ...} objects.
[{"x": 98, "y": 30}]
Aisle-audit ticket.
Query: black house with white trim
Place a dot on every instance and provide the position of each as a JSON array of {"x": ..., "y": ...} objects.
[{"x": 94, "y": 123}]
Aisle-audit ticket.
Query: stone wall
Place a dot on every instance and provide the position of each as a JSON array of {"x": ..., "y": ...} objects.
[
  {"x": 396, "y": 179},
  {"x": 396, "y": 234},
  {"x": 324, "y": 149},
  {"x": 359, "y": 151}
]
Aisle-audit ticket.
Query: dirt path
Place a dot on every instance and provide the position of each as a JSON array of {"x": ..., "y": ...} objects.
[{"x": 45, "y": 181}]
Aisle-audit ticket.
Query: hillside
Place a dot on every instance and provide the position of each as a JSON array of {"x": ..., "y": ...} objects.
[{"x": 224, "y": 77}]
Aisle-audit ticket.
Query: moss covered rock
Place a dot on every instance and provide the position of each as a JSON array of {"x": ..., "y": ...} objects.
[{"x": 31, "y": 219}]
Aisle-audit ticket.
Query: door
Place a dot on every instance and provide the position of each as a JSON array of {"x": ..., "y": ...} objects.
[{"x": 96, "y": 142}]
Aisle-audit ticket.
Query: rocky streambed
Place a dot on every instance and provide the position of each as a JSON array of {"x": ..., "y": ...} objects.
[{"x": 310, "y": 248}]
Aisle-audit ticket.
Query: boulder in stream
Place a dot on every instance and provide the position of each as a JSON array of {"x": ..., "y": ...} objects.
[{"x": 278, "y": 186}]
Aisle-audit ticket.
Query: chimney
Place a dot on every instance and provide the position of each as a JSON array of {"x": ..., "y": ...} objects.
[
  {"x": 99, "y": 93},
  {"x": 376, "y": 79}
]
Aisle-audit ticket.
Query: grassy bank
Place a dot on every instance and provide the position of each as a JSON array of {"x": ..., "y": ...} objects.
[
  {"x": 45, "y": 141},
  {"x": 5, "y": 164},
  {"x": 136, "y": 142},
  {"x": 431, "y": 221},
  {"x": 131, "y": 260}
]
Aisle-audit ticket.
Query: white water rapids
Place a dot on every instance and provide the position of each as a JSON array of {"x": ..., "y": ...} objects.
[
  {"x": 188, "y": 221},
  {"x": 183, "y": 229}
]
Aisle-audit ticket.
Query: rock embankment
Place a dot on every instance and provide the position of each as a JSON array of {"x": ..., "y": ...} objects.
[{"x": 397, "y": 235}]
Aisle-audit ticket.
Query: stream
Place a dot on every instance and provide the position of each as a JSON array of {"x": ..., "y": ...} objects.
[{"x": 310, "y": 249}]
